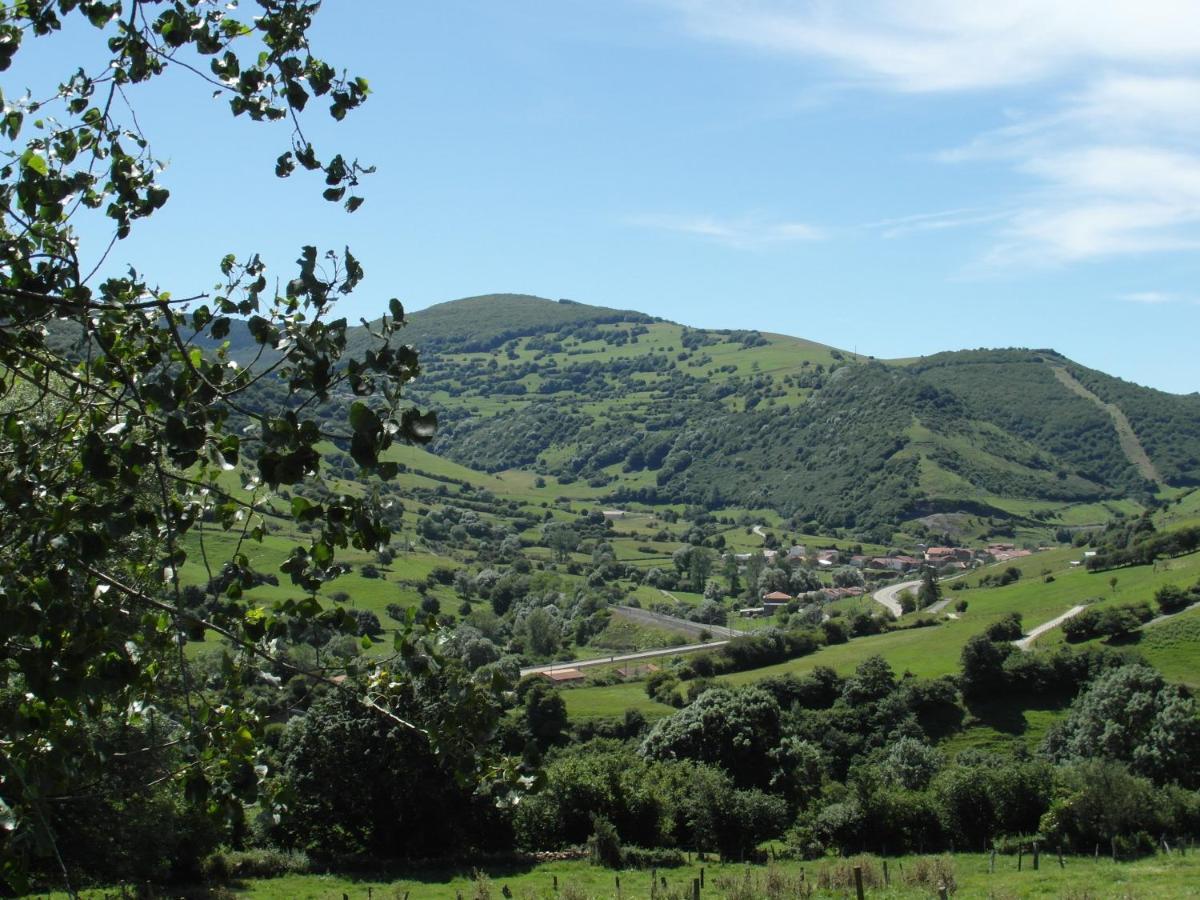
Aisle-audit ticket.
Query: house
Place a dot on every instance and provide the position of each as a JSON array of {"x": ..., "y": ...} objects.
[
  {"x": 752, "y": 612},
  {"x": 796, "y": 554},
  {"x": 564, "y": 676},
  {"x": 770, "y": 555},
  {"x": 939, "y": 556},
  {"x": 895, "y": 563},
  {"x": 859, "y": 561},
  {"x": 828, "y": 557},
  {"x": 775, "y": 601},
  {"x": 612, "y": 514}
]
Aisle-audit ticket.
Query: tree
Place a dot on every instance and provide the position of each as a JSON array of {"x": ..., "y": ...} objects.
[
  {"x": 735, "y": 730},
  {"x": 545, "y": 714},
  {"x": 406, "y": 803},
  {"x": 1131, "y": 715},
  {"x": 930, "y": 591},
  {"x": 120, "y": 409},
  {"x": 561, "y": 538},
  {"x": 982, "y": 663},
  {"x": 729, "y": 568}
]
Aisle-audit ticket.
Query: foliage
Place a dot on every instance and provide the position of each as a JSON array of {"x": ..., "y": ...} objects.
[
  {"x": 1131, "y": 715},
  {"x": 408, "y": 803},
  {"x": 121, "y": 412},
  {"x": 735, "y": 730}
]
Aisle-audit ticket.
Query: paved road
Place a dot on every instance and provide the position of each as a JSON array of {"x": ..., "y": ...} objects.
[
  {"x": 1026, "y": 642},
  {"x": 889, "y": 596},
  {"x": 624, "y": 657},
  {"x": 1168, "y": 616}
]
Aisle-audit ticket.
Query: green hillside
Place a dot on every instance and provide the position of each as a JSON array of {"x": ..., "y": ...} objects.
[{"x": 974, "y": 444}]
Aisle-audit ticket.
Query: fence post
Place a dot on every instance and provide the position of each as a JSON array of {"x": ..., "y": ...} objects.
[
  {"x": 992, "y": 864},
  {"x": 1062, "y": 863},
  {"x": 1020, "y": 856},
  {"x": 887, "y": 882},
  {"x": 695, "y": 889},
  {"x": 858, "y": 885},
  {"x": 1113, "y": 842},
  {"x": 617, "y": 879},
  {"x": 556, "y": 884},
  {"x": 702, "y": 876},
  {"x": 1035, "y": 856}
]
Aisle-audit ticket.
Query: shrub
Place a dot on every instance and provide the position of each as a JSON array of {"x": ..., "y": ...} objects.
[
  {"x": 1006, "y": 629},
  {"x": 263, "y": 862},
  {"x": 1172, "y": 599},
  {"x": 651, "y": 858},
  {"x": 604, "y": 846}
]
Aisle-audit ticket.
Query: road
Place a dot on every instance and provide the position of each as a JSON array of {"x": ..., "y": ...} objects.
[
  {"x": 624, "y": 657},
  {"x": 1167, "y": 616},
  {"x": 1026, "y": 642},
  {"x": 889, "y": 596}
]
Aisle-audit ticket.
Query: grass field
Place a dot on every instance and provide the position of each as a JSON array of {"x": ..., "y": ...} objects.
[
  {"x": 933, "y": 652},
  {"x": 1153, "y": 878}
]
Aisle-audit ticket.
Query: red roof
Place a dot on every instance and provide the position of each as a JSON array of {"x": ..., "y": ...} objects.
[{"x": 777, "y": 595}]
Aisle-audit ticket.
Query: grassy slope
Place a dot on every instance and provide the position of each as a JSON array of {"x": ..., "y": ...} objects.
[
  {"x": 1148, "y": 879},
  {"x": 932, "y": 652}
]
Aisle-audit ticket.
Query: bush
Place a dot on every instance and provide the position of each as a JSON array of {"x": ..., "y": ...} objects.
[
  {"x": 651, "y": 858},
  {"x": 604, "y": 846},
  {"x": 263, "y": 862},
  {"x": 1172, "y": 599},
  {"x": 1006, "y": 629}
]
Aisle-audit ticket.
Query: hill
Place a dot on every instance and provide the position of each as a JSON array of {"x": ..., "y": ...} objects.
[{"x": 970, "y": 443}]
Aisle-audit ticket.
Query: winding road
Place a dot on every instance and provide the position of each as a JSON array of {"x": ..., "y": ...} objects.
[
  {"x": 1026, "y": 643},
  {"x": 890, "y": 595}
]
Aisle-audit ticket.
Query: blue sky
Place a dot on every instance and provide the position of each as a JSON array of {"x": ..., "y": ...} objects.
[{"x": 897, "y": 177}]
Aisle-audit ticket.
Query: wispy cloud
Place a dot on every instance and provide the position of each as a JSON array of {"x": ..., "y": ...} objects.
[
  {"x": 949, "y": 45},
  {"x": 937, "y": 221},
  {"x": 1149, "y": 298},
  {"x": 1109, "y": 153},
  {"x": 741, "y": 233}
]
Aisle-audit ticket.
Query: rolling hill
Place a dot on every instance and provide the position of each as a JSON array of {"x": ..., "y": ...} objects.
[{"x": 650, "y": 411}]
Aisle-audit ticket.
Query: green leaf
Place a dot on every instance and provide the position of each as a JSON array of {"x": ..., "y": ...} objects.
[{"x": 31, "y": 160}]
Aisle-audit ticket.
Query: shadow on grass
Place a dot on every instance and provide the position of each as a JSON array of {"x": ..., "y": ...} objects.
[
  {"x": 431, "y": 873},
  {"x": 1007, "y": 715}
]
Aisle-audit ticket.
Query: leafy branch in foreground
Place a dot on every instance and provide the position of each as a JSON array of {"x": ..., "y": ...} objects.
[{"x": 117, "y": 448}]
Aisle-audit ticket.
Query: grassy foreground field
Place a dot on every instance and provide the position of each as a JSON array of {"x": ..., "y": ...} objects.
[{"x": 910, "y": 877}]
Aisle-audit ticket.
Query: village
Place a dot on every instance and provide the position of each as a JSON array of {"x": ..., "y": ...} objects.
[{"x": 945, "y": 561}]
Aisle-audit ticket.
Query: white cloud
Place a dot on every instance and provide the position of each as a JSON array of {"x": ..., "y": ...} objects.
[
  {"x": 946, "y": 45},
  {"x": 742, "y": 233},
  {"x": 1108, "y": 150},
  {"x": 937, "y": 221},
  {"x": 1149, "y": 298}
]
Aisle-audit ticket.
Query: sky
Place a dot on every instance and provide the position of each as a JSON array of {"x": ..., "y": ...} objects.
[{"x": 896, "y": 177}]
